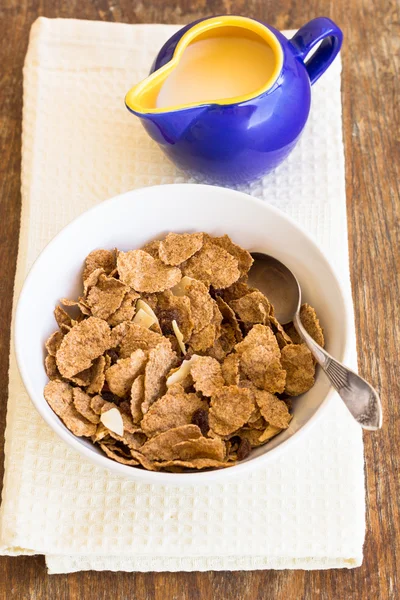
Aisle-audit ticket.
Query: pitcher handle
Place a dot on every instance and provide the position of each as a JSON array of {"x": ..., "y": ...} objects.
[{"x": 308, "y": 36}]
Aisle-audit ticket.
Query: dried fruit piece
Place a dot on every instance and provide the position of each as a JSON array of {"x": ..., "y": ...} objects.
[
  {"x": 82, "y": 405},
  {"x": 106, "y": 296},
  {"x": 143, "y": 273},
  {"x": 174, "y": 308},
  {"x": 274, "y": 411},
  {"x": 178, "y": 247},
  {"x": 54, "y": 342},
  {"x": 112, "y": 419},
  {"x": 137, "y": 398},
  {"x": 230, "y": 369},
  {"x": 207, "y": 375},
  {"x": 99, "y": 259},
  {"x": 244, "y": 449},
  {"x": 121, "y": 375},
  {"x": 59, "y": 396},
  {"x": 230, "y": 409},
  {"x": 200, "y": 418},
  {"x": 161, "y": 360},
  {"x": 311, "y": 324},
  {"x": 300, "y": 369},
  {"x": 171, "y": 411},
  {"x": 85, "y": 342},
  {"x": 213, "y": 266}
]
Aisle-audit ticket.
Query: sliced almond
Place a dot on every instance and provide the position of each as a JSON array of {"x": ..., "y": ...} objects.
[
  {"x": 183, "y": 371},
  {"x": 112, "y": 419},
  {"x": 141, "y": 304},
  {"x": 144, "y": 319},
  {"x": 180, "y": 288},
  {"x": 179, "y": 336}
]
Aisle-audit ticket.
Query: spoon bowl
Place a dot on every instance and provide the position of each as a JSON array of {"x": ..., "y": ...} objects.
[{"x": 282, "y": 288}]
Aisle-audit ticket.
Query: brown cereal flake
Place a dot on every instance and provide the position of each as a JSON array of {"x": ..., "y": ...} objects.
[
  {"x": 143, "y": 273},
  {"x": 50, "y": 366},
  {"x": 152, "y": 248},
  {"x": 80, "y": 346},
  {"x": 201, "y": 304},
  {"x": 178, "y": 247},
  {"x": 137, "y": 398},
  {"x": 161, "y": 359},
  {"x": 126, "y": 311},
  {"x": 203, "y": 339},
  {"x": 62, "y": 317},
  {"x": 274, "y": 411},
  {"x": 298, "y": 362},
  {"x": 171, "y": 411},
  {"x": 106, "y": 296},
  {"x": 131, "y": 337},
  {"x": 195, "y": 463},
  {"x": 311, "y": 324},
  {"x": 213, "y": 266},
  {"x": 82, "y": 404},
  {"x": 229, "y": 317},
  {"x": 99, "y": 259},
  {"x": 230, "y": 369},
  {"x": 230, "y": 409},
  {"x": 252, "y": 308},
  {"x": 97, "y": 374},
  {"x": 268, "y": 433},
  {"x": 207, "y": 375},
  {"x": 261, "y": 365},
  {"x": 59, "y": 396},
  {"x": 54, "y": 342},
  {"x": 201, "y": 448},
  {"x": 112, "y": 452},
  {"x": 235, "y": 291},
  {"x": 243, "y": 257},
  {"x": 121, "y": 375},
  {"x": 162, "y": 446}
]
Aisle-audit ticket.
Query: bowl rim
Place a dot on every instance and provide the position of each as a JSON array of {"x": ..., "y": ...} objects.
[{"x": 160, "y": 477}]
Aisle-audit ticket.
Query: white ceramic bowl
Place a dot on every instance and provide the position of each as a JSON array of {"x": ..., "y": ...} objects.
[{"x": 130, "y": 220}]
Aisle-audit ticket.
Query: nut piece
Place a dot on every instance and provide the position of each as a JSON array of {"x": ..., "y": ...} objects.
[{"x": 112, "y": 419}]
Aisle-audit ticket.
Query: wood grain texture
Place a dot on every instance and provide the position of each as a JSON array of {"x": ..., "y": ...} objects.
[{"x": 371, "y": 88}]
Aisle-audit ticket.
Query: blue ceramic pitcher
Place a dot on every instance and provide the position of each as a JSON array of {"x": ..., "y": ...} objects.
[{"x": 235, "y": 140}]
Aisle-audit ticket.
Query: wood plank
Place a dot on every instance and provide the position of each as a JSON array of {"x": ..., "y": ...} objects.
[{"x": 371, "y": 131}]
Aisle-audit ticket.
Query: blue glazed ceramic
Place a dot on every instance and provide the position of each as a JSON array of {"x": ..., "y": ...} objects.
[{"x": 237, "y": 140}]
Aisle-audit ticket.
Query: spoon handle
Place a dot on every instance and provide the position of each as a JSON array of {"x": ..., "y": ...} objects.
[{"x": 360, "y": 398}]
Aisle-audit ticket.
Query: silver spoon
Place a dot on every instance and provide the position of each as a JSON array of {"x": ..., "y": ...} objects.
[{"x": 282, "y": 289}]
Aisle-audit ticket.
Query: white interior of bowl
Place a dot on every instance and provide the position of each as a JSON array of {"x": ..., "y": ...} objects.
[{"x": 132, "y": 219}]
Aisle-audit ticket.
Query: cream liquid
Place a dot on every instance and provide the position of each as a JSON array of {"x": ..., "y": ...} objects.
[{"x": 217, "y": 68}]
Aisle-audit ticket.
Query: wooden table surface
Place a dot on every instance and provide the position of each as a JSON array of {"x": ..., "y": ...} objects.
[{"x": 371, "y": 88}]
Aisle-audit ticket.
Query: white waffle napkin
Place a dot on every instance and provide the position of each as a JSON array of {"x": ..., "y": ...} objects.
[{"x": 81, "y": 146}]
